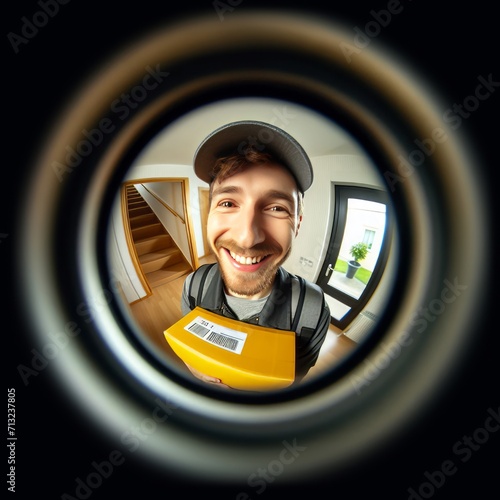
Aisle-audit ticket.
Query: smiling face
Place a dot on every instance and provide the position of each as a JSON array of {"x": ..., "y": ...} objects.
[{"x": 253, "y": 219}]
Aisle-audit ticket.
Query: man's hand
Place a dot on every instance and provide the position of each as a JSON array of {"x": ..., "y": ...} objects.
[{"x": 207, "y": 378}]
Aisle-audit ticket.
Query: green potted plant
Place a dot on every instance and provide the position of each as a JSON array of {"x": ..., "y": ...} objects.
[{"x": 358, "y": 252}]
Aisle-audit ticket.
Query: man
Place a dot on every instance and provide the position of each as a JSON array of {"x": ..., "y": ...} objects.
[{"x": 257, "y": 175}]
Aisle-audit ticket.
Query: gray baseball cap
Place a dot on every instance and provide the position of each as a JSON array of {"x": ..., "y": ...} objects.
[{"x": 237, "y": 136}]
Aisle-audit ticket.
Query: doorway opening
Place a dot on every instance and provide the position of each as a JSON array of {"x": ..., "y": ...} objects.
[{"x": 358, "y": 250}]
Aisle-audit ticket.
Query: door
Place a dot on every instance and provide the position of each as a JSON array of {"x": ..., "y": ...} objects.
[
  {"x": 357, "y": 252},
  {"x": 203, "y": 194}
]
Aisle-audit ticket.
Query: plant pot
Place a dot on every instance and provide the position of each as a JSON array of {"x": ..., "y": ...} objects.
[{"x": 352, "y": 267}]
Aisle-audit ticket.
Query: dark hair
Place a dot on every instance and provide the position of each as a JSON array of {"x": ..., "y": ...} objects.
[{"x": 232, "y": 164}]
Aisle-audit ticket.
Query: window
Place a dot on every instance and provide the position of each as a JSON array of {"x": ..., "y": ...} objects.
[{"x": 368, "y": 238}]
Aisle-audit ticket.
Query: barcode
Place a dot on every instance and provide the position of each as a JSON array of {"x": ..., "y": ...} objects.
[
  {"x": 217, "y": 335},
  {"x": 198, "y": 329},
  {"x": 223, "y": 341}
]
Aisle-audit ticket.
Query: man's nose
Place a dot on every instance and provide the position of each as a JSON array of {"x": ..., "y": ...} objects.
[{"x": 248, "y": 230}]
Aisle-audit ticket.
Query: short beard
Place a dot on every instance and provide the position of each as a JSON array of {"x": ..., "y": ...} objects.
[{"x": 249, "y": 284}]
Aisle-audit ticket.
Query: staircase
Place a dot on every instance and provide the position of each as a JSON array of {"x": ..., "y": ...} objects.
[{"x": 160, "y": 259}]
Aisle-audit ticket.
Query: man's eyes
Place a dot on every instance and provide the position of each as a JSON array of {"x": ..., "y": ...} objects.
[
  {"x": 226, "y": 204},
  {"x": 272, "y": 208}
]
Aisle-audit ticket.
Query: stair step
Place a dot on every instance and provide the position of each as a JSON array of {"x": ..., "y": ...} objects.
[
  {"x": 154, "y": 243},
  {"x": 162, "y": 276},
  {"x": 142, "y": 220},
  {"x": 147, "y": 231},
  {"x": 155, "y": 261},
  {"x": 133, "y": 212},
  {"x": 134, "y": 198},
  {"x": 137, "y": 204}
]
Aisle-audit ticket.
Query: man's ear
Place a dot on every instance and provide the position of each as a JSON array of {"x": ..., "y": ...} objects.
[{"x": 298, "y": 225}]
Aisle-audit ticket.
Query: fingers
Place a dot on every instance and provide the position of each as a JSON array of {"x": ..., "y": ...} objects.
[{"x": 206, "y": 378}]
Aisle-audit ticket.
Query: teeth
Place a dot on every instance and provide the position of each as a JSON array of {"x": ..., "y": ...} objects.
[{"x": 246, "y": 260}]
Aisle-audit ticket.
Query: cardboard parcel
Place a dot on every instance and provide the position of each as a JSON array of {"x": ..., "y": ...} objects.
[{"x": 242, "y": 355}]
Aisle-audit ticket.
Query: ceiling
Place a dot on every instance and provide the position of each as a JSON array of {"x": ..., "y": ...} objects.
[{"x": 177, "y": 143}]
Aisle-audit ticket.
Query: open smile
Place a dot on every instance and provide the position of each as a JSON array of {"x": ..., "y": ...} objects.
[
  {"x": 246, "y": 260},
  {"x": 247, "y": 263}
]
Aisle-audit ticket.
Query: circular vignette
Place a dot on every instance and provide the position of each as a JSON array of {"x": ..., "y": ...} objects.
[{"x": 119, "y": 385}]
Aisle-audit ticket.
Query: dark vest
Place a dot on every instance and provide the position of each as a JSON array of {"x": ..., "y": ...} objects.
[{"x": 207, "y": 291}]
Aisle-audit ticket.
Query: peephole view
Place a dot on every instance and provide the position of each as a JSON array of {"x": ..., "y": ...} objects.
[{"x": 254, "y": 245}]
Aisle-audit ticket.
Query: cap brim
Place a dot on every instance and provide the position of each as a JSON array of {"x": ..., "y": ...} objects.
[{"x": 237, "y": 136}]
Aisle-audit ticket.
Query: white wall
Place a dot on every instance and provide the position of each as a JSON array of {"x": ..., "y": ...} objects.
[
  {"x": 121, "y": 264},
  {"x": 314, "y": 235}
]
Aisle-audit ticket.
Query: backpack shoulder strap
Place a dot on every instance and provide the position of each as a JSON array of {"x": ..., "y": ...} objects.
[
  {"x": 305, "y": 319},
  {"x": 197, "y": 284}
]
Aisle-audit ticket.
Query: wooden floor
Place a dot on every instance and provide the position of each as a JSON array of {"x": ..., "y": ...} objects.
[
  {"x": 159, "y": 311},
  {"x": 335, "y": 348}
]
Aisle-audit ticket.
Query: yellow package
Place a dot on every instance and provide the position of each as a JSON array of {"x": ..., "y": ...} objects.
[{"x": 243, "y": 356}]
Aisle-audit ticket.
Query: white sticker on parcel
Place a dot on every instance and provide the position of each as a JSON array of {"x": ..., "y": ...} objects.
[{"x": 218, "y": 335}]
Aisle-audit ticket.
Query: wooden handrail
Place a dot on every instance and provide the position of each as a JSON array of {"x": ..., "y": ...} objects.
[{"x": 170, "y": 209}]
